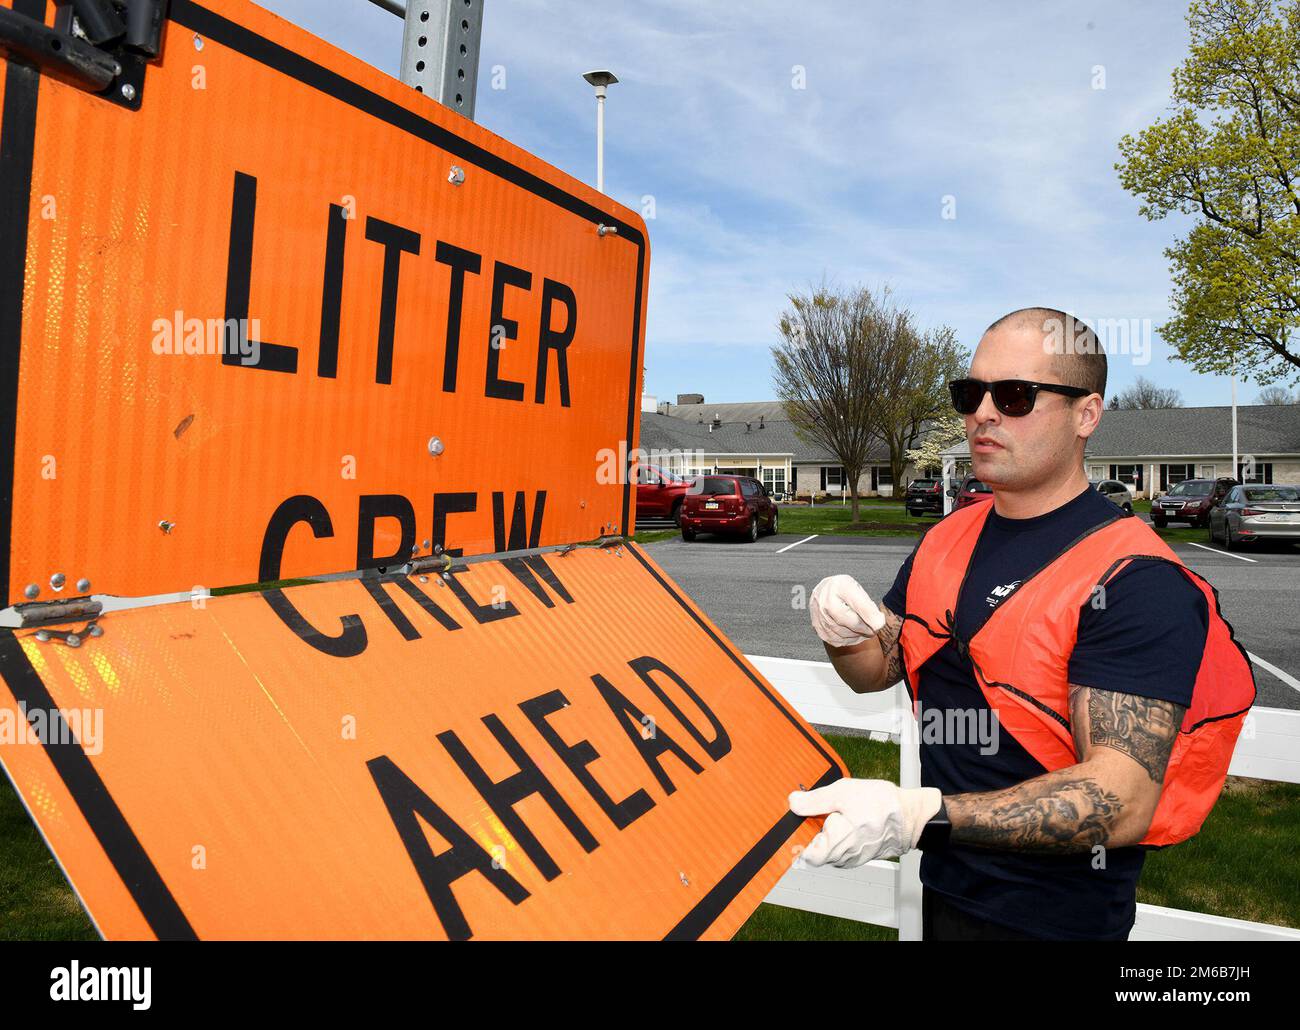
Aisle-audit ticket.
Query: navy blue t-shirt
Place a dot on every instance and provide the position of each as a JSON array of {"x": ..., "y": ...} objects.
[{"x": 1148, "y": 639}]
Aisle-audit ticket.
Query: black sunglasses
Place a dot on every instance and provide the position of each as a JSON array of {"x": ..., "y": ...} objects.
[{"x": 1013, "y": 397}]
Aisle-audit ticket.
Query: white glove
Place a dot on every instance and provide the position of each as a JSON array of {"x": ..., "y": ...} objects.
[
  {"x": 865, "y": 819},
  {"x": 842, "y": 613}
]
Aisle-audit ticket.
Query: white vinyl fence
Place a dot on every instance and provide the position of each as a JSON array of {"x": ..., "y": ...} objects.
[{"x": 889, "y": 893}]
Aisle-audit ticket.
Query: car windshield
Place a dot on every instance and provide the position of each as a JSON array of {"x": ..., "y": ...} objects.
[
  {"x": 1191, "y": 488},
  {"x": 713, "y": 486},
  {"x": 922, "y": 484},
  {"x": 671, "y": 477},
  {"x": 1273, "y": 493}
]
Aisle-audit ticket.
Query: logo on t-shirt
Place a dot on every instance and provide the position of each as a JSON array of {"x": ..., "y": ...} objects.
[{"x": 999, "y": 594}]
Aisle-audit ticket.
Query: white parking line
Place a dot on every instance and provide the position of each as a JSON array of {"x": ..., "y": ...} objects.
[
  {"x": 1215, "y": 550},
  {"x": 797, "y": 543},
  {"x": 1285, "y": 677}
]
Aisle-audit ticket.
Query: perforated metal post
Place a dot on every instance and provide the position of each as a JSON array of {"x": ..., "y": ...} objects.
[{"x": 440, "y": 50}]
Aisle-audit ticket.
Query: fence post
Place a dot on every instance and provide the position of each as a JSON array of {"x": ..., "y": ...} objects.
[{"x": 909, "y": 866}]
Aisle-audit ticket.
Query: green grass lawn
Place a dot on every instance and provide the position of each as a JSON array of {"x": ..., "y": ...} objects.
[{"x": 1243, "y": 863}]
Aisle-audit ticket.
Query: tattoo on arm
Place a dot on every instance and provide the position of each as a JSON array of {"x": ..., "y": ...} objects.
[
  {"x": 893, "y": 651},
  {"x": 1062, "y": 811},
  {"x": 1141, "y": 727}
]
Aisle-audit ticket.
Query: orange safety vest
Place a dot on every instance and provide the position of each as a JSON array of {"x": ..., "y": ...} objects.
[{"x": 1021, "y": 654}]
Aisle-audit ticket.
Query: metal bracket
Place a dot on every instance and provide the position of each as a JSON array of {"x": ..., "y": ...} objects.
[
  {"x": 101, "y": 46},
  {"x": 45, "y": 612}
]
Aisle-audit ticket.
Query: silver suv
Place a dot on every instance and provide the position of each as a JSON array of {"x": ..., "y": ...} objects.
[{"x": 1115, "y": 491}]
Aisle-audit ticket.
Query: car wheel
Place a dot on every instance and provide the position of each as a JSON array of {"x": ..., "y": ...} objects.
[
  {"x": 913, "y": 512},
  {"x": 1128, "y": 508},
  {"x": 1209, "y": 528},
  {"x": 1159, "y": 523},
  {"x": 1228, "y": 542},
  {"x": 688, "y": 534},
  {"x": 772, "y": 529},
  {"x": 676, "y": 514},
  {"x": 752, "y": 535}
]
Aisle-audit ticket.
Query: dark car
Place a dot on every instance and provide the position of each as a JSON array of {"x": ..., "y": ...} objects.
[
  {"x": 728, "y": 504},
  {"x": 971, "y": 491},
  {"x": 659, "y": 493},
  {"x": 1256, "y": 511},
  {"x": 1190, "y": 501},
  {"x": 924, "y": 495}
]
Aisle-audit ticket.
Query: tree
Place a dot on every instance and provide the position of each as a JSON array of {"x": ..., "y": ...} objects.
[
  {"x": 1229, "y": 153},
  {"x": 828, "y": 373},
  {"x": 920, "y": 370},
  {"x": 944, "y": 432},
  {"x": 1146, "y": 394},
  {"x": 1276, "y": 395}
]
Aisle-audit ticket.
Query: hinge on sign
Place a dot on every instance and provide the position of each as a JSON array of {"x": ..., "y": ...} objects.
[
  {"x": 41, "y": 613},
  {"x": 101, "y": 46}
]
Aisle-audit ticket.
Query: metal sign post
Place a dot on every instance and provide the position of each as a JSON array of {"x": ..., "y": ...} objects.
[{"x": 440, "y": 48}]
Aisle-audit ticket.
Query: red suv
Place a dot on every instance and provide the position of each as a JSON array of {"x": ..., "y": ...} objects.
[
  {"x": 972, "y": 490},
  {"x": 659, "y": 493},
  {"x": 728, "y": 504}
]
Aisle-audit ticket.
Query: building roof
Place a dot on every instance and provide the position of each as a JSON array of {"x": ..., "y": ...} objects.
[
  {"x": 735, "y": 411},
  {"x": 662, "y": 432},
  {"x": 1262, "y": 430}
]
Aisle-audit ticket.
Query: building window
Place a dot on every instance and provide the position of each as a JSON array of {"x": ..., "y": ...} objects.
[
  {"x": 1263, "y": 472},
  {"x": 774, "y": 479},
  {"x": 833, "y": 477},
  {"x": 1207, "y": 472},
  {"x": 1171, "y": 475},
  {"x": 1096, "y": 471},
  {"x": 1130, "y": 475}
]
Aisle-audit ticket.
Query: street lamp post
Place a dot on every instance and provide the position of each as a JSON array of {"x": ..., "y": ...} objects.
[{"x": 599, "y": 80}]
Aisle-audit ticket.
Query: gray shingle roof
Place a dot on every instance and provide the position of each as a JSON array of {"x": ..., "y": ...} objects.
[
  {"x": 778, "y": 436},
  {"x": 1262, "y": 429}
]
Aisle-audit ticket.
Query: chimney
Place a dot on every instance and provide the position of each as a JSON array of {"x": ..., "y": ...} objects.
[
  {"x": 717, "y": 420},
  {"x": 690, "y": 398},
  {"x": 760, "y": 422}
]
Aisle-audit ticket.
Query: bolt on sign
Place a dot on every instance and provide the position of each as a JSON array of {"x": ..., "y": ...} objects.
[{"x": 268, "y": 313}]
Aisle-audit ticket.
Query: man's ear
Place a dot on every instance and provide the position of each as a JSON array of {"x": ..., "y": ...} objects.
[{"x": 1088, "y": 414}]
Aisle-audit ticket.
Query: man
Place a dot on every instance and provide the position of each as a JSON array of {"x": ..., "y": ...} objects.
[{"x": 1114, "y": 686}]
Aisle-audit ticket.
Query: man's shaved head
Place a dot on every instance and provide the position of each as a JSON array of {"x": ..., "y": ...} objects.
[{"x": 1080, "y": 361}]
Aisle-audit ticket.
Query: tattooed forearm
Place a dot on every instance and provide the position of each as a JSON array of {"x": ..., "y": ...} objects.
[
  {"x": 1062, "y": 811},
  {"x": 888, "y": 638},
  {"x": 1141, "y": 727}
]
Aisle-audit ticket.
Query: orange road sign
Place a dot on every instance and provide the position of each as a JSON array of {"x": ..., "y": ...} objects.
[
  {"x": 542, "y": 747},
  {"x": 291, "y": 317}
]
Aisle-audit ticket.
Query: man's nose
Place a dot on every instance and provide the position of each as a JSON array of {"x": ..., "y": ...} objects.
[{"x": 987, "y": 411}]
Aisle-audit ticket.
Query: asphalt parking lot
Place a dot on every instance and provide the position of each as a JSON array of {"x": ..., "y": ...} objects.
[{"x": 749, "y": 591}]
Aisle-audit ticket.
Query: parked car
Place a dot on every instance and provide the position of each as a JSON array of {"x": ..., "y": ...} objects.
[
  {"x": 970, "y": 491},
  {"x": 1116, "y": 491},
  {"x": 728, "y": 504},
  {"x": 924, "y": 495},
  {"x": 1255, "y": 512},
  {"x": 1190, "y": 501},
  {"x": 659, "y": 493}
]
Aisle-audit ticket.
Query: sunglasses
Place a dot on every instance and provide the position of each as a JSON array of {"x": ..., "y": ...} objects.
[{"x": 1013, "y": 397}]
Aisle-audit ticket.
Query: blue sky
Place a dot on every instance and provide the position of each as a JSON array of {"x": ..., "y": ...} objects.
[{"x": 760, "y": 187}]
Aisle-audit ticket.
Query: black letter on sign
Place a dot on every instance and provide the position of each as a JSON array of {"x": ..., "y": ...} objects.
[
  {"x": 461, "y": 261},
  {"x": 503, "y": 329},
  {"x": 650, "y": 749},
  {"x": 519, "y": 568},
  {"x": 482, "y": 612},
  {"x": 449, "y": 504},
  {"x": 304, "y": 508},
  {"x": 384, "y": 506},
  {"x": 721, "y": 742},
  {"x": 580, "y": 755},
  {"x": 405, "y": 801},
  {"x": 274, "y": 357},
  {"x": 518, "y": 521},
  {"x": 396, "y": 240},
  {"x": 502, "y": 796},
  {"x": 331, "y": 294},
  {"x": 559, "y": 342}
]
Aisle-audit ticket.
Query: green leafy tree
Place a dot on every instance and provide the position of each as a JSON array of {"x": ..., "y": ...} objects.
[{"x": 1229, "y": 154}]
